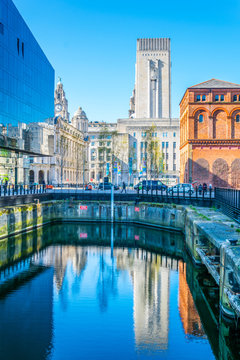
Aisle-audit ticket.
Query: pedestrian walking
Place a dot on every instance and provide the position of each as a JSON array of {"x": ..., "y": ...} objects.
[
  {"x": 200, "y": 188},
  {"x": 210, "y": 189},
  {"x": 204, "y": 187},
  {"x": 124, "y": 188}
]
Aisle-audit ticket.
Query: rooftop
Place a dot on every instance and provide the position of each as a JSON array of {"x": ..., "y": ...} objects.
[{"x": 215, "y": 84}]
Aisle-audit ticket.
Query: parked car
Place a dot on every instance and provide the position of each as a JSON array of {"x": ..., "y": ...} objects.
[
  {"x": 49, "y": 186},
  {"x": 107, "y": 186},
  {"x": 181, "y": 188},
  {"x": 147, "y": 185}
]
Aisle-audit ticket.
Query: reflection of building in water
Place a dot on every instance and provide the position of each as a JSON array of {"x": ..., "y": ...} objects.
[
  {"x": 188, "y": 313},
  {"x": 62, "y": 256},
  {"x": 151, "y": 277},
  {"x": 23, "y": 336}
]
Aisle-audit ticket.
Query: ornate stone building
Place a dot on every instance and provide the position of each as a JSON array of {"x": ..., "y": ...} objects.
[
  {"x": 150, "y": 112},
  {"x": 210, "y": 134},
  {"x": 65, "y": 143},
  {"x": 70, "y": 161}
]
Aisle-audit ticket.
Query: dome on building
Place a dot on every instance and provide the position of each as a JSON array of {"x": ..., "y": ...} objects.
[{"x": 80, "y": 113}]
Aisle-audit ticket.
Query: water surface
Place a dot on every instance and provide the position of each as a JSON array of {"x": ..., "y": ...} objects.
[{"x": 66, "y": 293}]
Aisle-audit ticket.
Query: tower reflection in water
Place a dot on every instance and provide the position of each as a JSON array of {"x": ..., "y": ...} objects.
[
  {"x": 81, "y": 275},
  {"x": 190, "y": 319}
]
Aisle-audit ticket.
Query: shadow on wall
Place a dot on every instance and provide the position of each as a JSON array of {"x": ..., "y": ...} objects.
[{"x": 222, "y": 175}]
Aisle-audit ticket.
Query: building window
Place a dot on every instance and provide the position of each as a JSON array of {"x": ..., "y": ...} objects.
[
  {"x": 18, "y": 45},
  {"x": 204, "y": 98},
  {"x": 166, "y": 156},
  {"x": 163, "y": 145},
  {"x": 109, "y": 143},
  {"x": 222, "y": 97},
  {"x": 238, "y": 97},
  {"x": 141, "y": 145},
  {"x": 198, "y": 98},
  {"x": 174, "y": 156},
  {"x": 166, "y": 144},
  {"x": 134, "y": 134},
  {"x": 238, "y": 118},
  {"x": 166, "y": 166},
  {"x": 174, "y": 167},
  {"x": 92, "y": 144},
  {"x": 174, "y": 134},
  {"x": 200, "y": 119},
  {"x": 174, "y": 145},
  {"x": 1, "y": 28},
  {"x": 234, "y": 97},
  {"x": 92, "y": 137},
  {"x": 134, "y": 145},
  {"x": 216, "y": 97}
]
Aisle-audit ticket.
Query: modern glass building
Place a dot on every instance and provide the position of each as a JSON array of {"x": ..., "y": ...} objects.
[{"x": 26, "y": 76}]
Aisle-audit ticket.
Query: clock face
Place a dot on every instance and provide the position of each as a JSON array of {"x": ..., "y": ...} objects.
[{"x": 58, "y": 107}]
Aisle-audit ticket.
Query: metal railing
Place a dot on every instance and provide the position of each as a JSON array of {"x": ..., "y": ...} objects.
[
  {"x": 228, "y": 200},
  {"x": 197, "y": 193},
  {"x": 17, "y": 190}
]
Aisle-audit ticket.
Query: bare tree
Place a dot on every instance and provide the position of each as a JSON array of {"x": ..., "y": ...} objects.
[{"x": 153, "y": 155}]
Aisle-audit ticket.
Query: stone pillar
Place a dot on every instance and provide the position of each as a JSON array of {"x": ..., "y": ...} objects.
[
  {"x": 210, "y": 127},
  {"x": 230, "y": 133}
]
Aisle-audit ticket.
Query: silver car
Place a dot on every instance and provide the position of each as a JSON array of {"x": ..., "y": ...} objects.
[{"x": 182, "y": 188}]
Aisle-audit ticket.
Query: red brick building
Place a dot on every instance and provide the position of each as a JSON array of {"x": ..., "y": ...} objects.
[{"x": 210, "y": 134}]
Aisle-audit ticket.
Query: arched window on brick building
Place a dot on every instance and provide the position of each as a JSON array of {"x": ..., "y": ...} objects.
[
  {"x": 201, "y": 171},
  {"x": 235, "y": 173},
  {"x": 201, "y": 125},
  {"x": 220, "y": 172},
  {"x": 220, "y": 125}
]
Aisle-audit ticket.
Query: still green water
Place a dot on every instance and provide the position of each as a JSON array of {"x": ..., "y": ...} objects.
[{"x": 75, "y": 292}]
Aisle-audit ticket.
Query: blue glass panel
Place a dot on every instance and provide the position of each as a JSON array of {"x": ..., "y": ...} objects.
[{"x": 26, "y": 76}]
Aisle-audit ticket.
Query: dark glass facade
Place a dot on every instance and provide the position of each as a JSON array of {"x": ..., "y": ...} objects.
[{"x": 26, "y": 76}]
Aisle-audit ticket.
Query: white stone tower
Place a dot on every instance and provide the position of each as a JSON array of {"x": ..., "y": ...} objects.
[
  {"x": 153, "y": 79},
  {"x": 80, "y": 121},
  {"x": 61, "y": 103}
]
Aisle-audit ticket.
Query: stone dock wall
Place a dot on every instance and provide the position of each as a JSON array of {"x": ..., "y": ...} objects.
[{"x": 206, "y": 232}]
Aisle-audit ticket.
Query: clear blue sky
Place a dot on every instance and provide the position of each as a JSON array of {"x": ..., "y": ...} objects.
[{"x": 92, "y": 46}]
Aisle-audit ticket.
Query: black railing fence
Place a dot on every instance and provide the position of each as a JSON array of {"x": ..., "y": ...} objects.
[
  {"x": 228, "y": 200},
  {"x": 16, "y": 190},
  {"x": 197, "y": 193}
]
